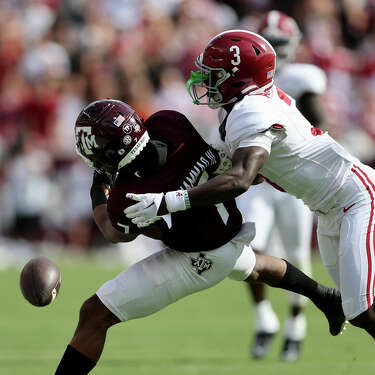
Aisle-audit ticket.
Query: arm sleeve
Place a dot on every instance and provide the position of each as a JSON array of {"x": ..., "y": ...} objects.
[
  {"x": 246, "y": 127},
  {"x": 115, "y": 206},
  {"x": 263, "y": 140}
]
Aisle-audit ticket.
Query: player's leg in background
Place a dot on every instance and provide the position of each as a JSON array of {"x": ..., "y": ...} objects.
[
  {"x": 145, "y": 288},
  {"x": 294, "y": 221},
  {"x": 256, "y": 205}
]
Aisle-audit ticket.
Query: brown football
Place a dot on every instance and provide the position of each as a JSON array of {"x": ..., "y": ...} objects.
[{"x": 40, "y": 281}]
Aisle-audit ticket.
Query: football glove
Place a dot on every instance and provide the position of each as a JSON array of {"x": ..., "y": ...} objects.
[{"x": 145, "y": 212}]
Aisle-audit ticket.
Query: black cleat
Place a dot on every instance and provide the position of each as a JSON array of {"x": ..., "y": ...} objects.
[
  {"x": 291, "y": 350},
  {"x": 332, "y": 309},
  {"x": 261, "y": 344}
]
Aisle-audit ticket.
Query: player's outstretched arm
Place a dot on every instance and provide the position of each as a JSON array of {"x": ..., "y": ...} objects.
[
  {"x": 246, "y": 163},
  {"x": 101, "y": 186},
  {"x": 104, "y": 224}
]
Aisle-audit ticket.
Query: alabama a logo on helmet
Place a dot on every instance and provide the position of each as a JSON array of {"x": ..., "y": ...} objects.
[{"x": 83, "y": 133}]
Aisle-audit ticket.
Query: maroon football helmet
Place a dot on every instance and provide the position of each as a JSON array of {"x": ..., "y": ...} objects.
[
  {"x": 109, "y": 135},
  {"x": 283, "y": 33},
  {"x": 233, "y": 64}
]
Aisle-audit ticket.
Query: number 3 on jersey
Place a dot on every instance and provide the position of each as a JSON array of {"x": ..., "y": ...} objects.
[{"x": 236, "y": 55}]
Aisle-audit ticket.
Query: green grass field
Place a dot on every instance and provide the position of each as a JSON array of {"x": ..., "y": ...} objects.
[{"x": 207, "y": 333}]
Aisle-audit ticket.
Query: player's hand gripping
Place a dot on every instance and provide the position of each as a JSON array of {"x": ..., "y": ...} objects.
[{"x": 147, "y": 210}]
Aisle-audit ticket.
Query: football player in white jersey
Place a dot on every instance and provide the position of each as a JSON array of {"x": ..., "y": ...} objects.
[
  {"x": 266, "y": 134},
  {"x": 277, "y": 212}
]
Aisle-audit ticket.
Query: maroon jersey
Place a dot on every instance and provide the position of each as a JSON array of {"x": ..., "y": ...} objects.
[{"x": 190, "y": 161}]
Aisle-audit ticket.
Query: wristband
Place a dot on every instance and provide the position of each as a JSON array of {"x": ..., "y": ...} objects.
[
  {"x": 177, "y": 200},
  {"x": 97, "y": 196},
  {"x": 187, "y": 199}
]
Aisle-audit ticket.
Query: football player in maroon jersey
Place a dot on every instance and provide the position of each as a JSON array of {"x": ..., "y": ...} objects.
[{"x": 203, "y": 245}]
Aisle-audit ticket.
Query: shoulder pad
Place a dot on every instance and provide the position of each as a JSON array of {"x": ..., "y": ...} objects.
[{"x": 254, "y": 114}]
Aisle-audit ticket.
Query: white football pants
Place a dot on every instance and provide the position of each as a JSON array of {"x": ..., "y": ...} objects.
[
  {"x": 168, "y": 275},
  {"x": 347, "y": 241}
]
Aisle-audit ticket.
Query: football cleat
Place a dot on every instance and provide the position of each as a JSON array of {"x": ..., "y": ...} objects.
[
  {"x": 291, "y": 350},
  {"x": 344, "y": 327},
  {"x": 332, "y": 309},
  {"x": 261, "y": 344}
]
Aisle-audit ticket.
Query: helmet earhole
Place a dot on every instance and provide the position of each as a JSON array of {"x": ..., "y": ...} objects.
[
  {"x": 257, "y": 51},
  {"x": 109, "y": 153}
]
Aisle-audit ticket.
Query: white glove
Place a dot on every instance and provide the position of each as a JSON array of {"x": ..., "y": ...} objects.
[{"x": 145, "y": 211}]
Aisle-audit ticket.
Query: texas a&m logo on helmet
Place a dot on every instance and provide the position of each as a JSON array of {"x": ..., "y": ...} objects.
[{"x": 109, "y": 135}]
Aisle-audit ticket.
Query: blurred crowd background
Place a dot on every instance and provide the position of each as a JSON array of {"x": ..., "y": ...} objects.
[{"x": 58, "y": 55}]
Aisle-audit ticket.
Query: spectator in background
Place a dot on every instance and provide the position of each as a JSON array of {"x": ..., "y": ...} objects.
[{"x": 57, "y": 55}]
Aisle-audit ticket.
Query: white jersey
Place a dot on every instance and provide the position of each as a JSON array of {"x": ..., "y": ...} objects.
[
  {"x": 310, "y": 167},
  {"x": 298, "y": 79}
]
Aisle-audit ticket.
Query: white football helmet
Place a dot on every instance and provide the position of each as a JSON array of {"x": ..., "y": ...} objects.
[{"x": 283, "y": 33}]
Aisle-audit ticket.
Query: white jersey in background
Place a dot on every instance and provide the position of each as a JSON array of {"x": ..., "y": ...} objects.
[{"x": 299, "y": 79}]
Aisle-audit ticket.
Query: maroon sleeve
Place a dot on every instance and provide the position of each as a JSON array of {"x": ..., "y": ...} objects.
[{"x": 116, "y": 205}]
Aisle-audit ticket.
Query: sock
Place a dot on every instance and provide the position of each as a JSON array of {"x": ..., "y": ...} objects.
[
  {"x": 297, "y": 282},
  {"x": 265, "y": 318},
  {"x": 295, "y": 327},
  {"x": 74, "y": 363}
]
